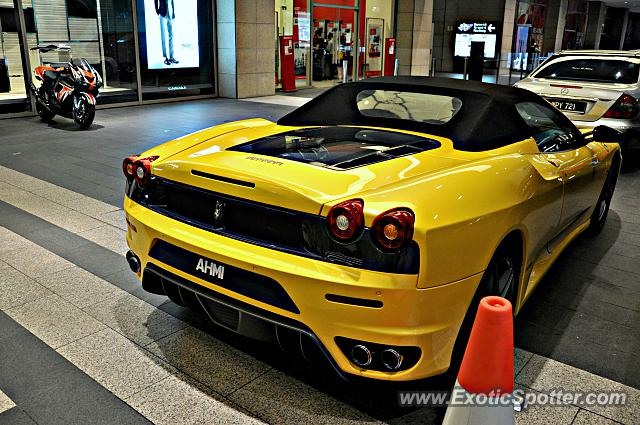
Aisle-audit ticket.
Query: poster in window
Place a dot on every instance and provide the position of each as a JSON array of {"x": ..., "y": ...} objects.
[{"x": 171, "y": 28}]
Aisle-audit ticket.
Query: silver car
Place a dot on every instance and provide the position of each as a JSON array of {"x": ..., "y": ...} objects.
[{"x": 593, "y": 87}]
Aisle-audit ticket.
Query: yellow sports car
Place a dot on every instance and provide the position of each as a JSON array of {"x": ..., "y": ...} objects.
[{"x": 366, "y": 224}]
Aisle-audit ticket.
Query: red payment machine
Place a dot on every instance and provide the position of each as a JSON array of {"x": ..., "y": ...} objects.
[
  {"x": 286, "y": 63},
  {"x": 389, "y": 56}
]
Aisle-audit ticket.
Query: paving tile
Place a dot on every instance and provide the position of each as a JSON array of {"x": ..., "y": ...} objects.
[
  {"x": 208, "y": 360},
  {"x": 584, "y": 417},
  {"x": 17, "y": 289},
  {"x": 5, "y": 402},
  {"x": 15, "y": 416},
  {"x": 35, "y": 261},
  {"x": 10, "y": 241},
  {"x": 38, "y": 206},
  {"x": 545, "y": 414},
  {"x": 179, "y": 399},
  {"x": 134, "y": 318},
  {"x": 79, "y": 287},
  {"x": 281, "y": 399},
  {"x": 100, "y": 261},
  {"x": 544, "y": 374},
  {"x": 105, "y": 232},
  {"x": 56, "y": 239},
  {"x": 117, "y": 245},
  {"x": 23, "y": 181},
  {"x": 118, "y": 364},
  {"x": 76, "y": 399},
  {"x": 521, "y": 357},
  {"x": 114, "y": 218},
  {"x": 58, "y": 194},
  {"x": 91, "y": 207},
  {"x": 74, "y": 221},
  {"x": 54, "y": 320}
]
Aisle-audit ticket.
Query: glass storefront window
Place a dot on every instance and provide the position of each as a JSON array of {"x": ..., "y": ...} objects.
[
  {"x": 176, "y": 48},
  {"x": 172, "y": 56},
  {"x": 13, "y": 93},
  {"x": 330, "y": 33},
  {"x": 292, "y": 18},
  {"x": 575, "y": 24},
  {"x": 379, "y": 21},
  {"x": 119, "y": 51},
  {"x": 100, "y": 31}
]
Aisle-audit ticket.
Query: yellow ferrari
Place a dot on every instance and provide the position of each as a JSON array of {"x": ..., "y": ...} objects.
[{"x": 366, "y": 224}]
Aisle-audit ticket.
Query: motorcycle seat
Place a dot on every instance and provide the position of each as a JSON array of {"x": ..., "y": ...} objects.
[{"x": 49, "y": 74}]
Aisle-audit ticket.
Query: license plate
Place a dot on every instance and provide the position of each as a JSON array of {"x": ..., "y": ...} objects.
[
  {"x": 249, "y": 284},
  {"x": 568, "y": 105}
]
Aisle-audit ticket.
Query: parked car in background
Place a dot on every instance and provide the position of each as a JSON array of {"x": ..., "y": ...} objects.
[{"x": 593, "y": 87}]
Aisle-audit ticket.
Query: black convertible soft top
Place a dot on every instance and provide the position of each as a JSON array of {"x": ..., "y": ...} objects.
[{"x": 486, "y": 120}]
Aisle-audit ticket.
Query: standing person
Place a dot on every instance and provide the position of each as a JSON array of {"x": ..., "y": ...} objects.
[
  {"x": 331, "y": 47},
  {"x": 167, "y": 13}
]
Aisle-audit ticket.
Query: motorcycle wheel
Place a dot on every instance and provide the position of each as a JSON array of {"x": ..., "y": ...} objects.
[
  {"x": 45, "y": 114},
  {"x": 83, "y": 113}
]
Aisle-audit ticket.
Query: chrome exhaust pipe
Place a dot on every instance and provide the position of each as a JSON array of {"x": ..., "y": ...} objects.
[
  {"x": 391, "y": 359},
  {"x": 133, "y": 261},
  {"x": 361, "y": 355}
]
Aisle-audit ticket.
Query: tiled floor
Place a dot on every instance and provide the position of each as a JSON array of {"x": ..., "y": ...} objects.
[{"x": 76, "y": 317}]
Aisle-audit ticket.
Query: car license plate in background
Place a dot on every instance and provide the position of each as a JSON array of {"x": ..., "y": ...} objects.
[{"x": 569, "y": 105}]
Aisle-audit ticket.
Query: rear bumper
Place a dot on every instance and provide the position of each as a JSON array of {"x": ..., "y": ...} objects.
[{"x": 424, "y": 318}]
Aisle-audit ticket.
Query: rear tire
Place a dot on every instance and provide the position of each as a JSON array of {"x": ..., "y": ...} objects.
[
  {"x": 84, "y": 113},
  {"x": 601, "y": 211},
  {"x": 45, "y": 114}
]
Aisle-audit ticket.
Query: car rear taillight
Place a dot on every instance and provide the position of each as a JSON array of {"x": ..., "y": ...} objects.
[
  {"x": 346, "y": 220},
  {"x": 626, "y": 107},
  {"x": 127, "y": 166},
  {"x": 138, "y": 169},
  {"x": 391, "y": 230}
]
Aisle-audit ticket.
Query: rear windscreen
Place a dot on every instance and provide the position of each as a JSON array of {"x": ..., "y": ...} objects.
[
  {"x": 422, "y": 107},
  {"x": 596, "y": 70},
  {"x": 338, "y": 147}
]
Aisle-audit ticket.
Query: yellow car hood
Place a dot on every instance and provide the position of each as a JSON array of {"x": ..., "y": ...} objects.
[{"x": 276, "y": 181}]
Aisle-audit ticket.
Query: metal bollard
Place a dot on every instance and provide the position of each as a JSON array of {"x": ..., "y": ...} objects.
[
  {"x": 396, "y": 65},
  {"x": 464, "y": 73},
  {"x": 345, "y": 71}
]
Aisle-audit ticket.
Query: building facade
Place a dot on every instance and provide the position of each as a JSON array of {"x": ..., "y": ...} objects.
[{"x": 162, "y": 50}]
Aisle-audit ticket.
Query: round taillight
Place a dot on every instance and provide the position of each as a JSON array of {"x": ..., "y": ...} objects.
[
  {"x": 142, "y": 171},
  {"x": 346, "y": 220},
  {"x": 127, "y": 166},
  {"x": 391, "y": 230}
]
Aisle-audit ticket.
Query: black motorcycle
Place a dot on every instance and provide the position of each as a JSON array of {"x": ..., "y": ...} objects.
[{"x": 69, "y": 90}]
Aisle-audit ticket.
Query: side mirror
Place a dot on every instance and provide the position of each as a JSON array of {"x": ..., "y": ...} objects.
[{"x": 605, "y": 134}]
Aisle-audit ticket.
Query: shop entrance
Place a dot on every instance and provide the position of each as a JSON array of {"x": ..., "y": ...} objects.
[{"x": 335, "y": 42}]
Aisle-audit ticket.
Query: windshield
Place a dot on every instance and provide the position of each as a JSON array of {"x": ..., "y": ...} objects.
[
  {"x": 338, "y": 147},
  {"x": 596, "y": 70}
]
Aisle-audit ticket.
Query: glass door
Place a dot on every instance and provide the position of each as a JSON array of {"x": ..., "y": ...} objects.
[{"x": 335, "y": 42}]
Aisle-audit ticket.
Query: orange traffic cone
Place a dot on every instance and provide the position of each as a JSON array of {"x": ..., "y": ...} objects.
[{"x": 483, "y": 391}]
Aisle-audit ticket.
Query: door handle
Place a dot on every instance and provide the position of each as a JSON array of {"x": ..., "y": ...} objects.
[{"x": 595, "y": 162}]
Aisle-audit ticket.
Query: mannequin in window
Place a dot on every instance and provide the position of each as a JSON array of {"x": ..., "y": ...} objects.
[{"x": 167, "y": 13}]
